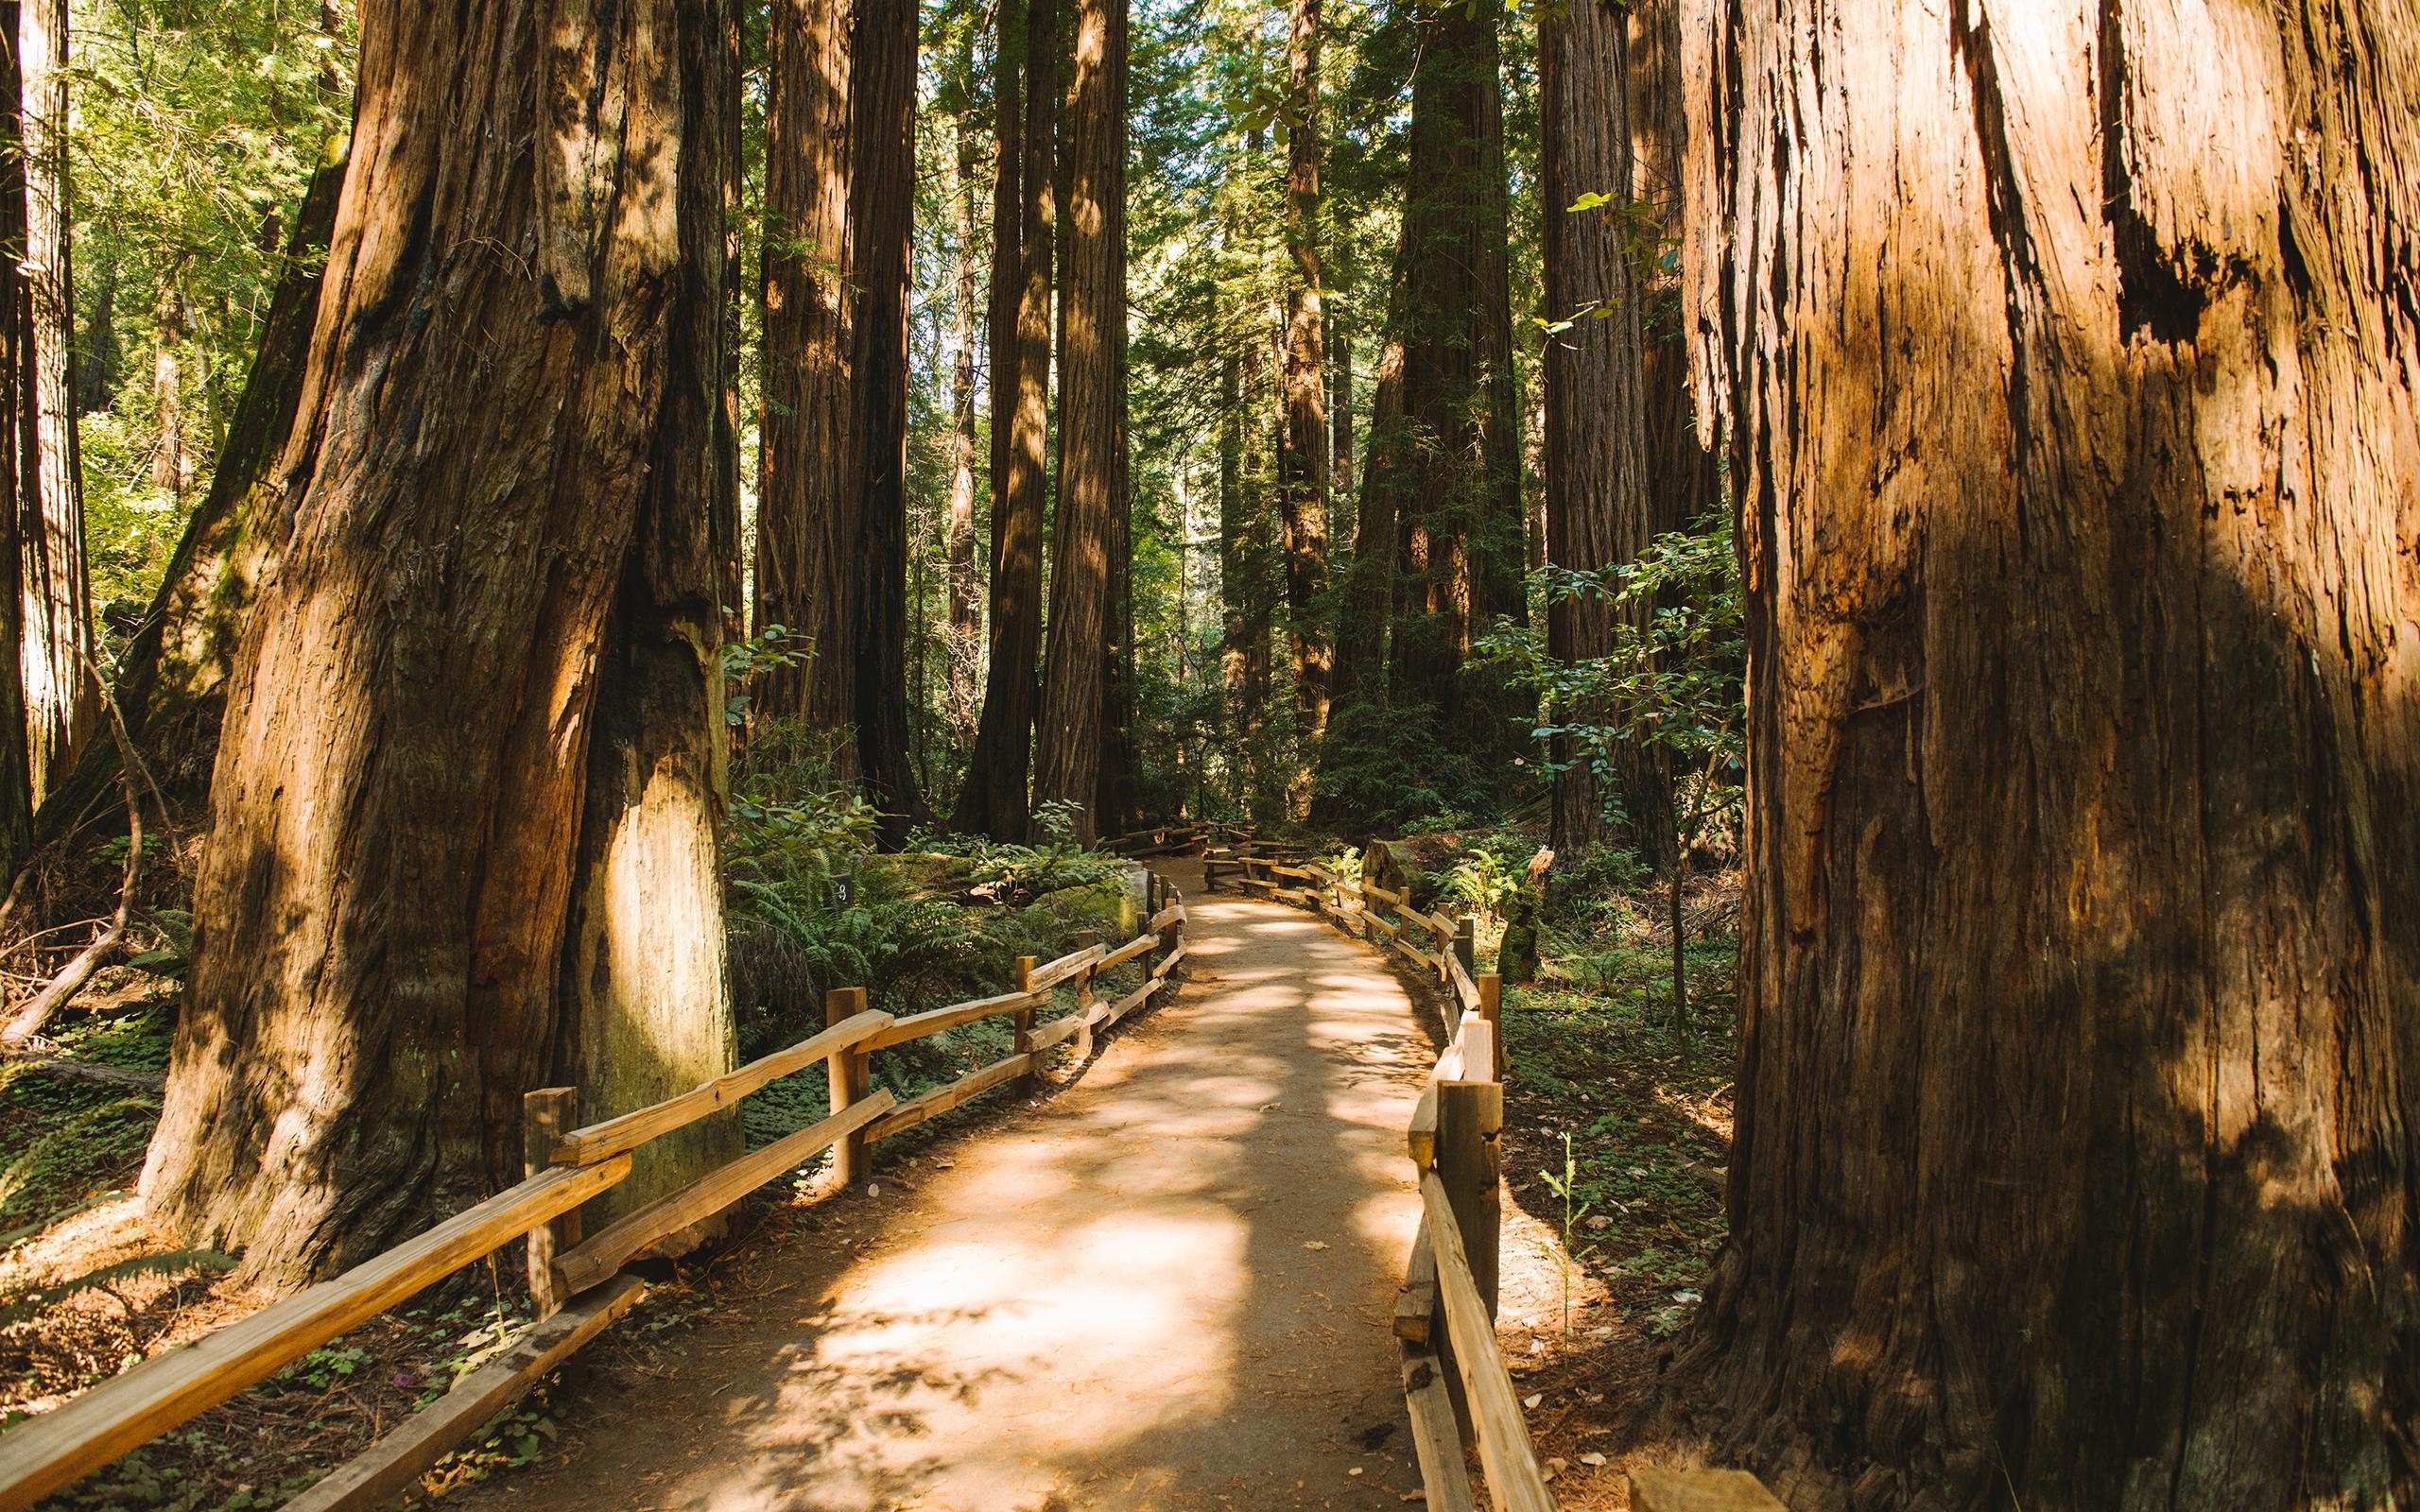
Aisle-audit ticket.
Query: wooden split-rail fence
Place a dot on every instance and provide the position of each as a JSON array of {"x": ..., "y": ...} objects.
[
  {"x": 576, "y": 1280},
  {"x": 1457, "y": 1389}
]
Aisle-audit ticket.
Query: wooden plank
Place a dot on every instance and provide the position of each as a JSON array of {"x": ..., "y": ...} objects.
[
  {"x": 1173, "y": 913},
  {"x": 1491, "y": 1007},
  {"x": 1261, "y": 883},
  {"x": 1436, "y": 1440},
  {"x": 1465, "y": 986},
  {"x": 849, "y": 1072},
  {"x": 1416, "y": 1298},
  {"x": 40, "y": 1456},
  {"x": 1168, "y": 962},
  {"x": 1128, "y": 952},
  {"x": 1470, "y": 1163},
  {"x": 1503, "y": 1437},
  {"x": 1053, "y": 972},
  {"x": 603, "y": 1141},
  {"x": 1057, "y": 1031},
  {"x": 1298, "y": 873},
  {"x": 1382, "y": 896},
  {"x": 1421, "y": 1135},
  {"x": 1416, "y": 953},
  {"x": 918, "y": 1025},
  {"x": 1299, "y": 897},
  {"x": 601, "y": 1257},
  {"x": 1667, "y": 1490},
  {"x": 1126, "y": 1003},
  {"x": 942, "y": 1099},
  {"x": 386, "y": 1468},
  {"x": 1381, "y": 924}
]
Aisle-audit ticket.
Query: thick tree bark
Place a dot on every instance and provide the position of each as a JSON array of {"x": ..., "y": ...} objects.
[
  {"x": 993, "y": 800},
  {"x": 1682, "y": 480},
  {"x": 1092, "y": 438},
  {"x": 1598, "y": 512},
  {"x": 16, "y": 777},
  {"x": 56, "y": 652},
  {"x": 1456, "y": 497},
  {"x": 807, "y": 505},
  {"x": 484, "y": 674},
  {"x": 1302, "y": 458},
  {"x": 1368, "y": 589},
  {"x": 1339, "y": 412},
  {"x": 882, "y": 206},
  {"x": 964, "y": 649},
  {"x": 2068, "y": 352},
  {"x": 172, "y": 679}
]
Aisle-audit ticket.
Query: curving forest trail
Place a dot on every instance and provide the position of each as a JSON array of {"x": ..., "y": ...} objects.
[{"x": 1166, "y": 1287}]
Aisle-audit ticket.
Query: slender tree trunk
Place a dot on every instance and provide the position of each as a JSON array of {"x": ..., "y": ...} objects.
[
  {"x": 808, "y": 509},
  {"x": 993, "y": 800},
  {"x": 486, "y": 669},
  {"x": 1683, "y": 486},
  {"x": 1340, "y": 410},
  {"x": 1456, "y": 499},
  {"x": 965, "y": 646},
  {"x": 1303, "y": 459},
  {"x": 1369, "y": 590},
  {"x": 2072, "y": 391},
  {"x": 168, "y": 468},
  {"x": 882, "y": 205},
  {"x": 1596, "y": 489},
  {"x": 61, "y": 694},
  {"x": 730, "y": 543},
  {"x": 16, "y": 778},
  {"x": 1091, "y": 433},
  {"x": 1235, "y": 591}
]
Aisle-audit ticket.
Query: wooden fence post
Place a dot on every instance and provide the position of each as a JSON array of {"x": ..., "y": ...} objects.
[
  {"x": 1466, "y": 942},
  {"x": 544, "y": 1114},
  {"x": 1025, "y": 1027},
  {"x": 1085, "y": 939},
  {"x": 1491, "y": 1007},
  {"x": 1470, "y": 1116},
  {"x": 852, "y": 1072}
]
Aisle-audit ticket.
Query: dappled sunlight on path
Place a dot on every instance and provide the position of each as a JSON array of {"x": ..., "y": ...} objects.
[{"x": 1166, "y": 1287}]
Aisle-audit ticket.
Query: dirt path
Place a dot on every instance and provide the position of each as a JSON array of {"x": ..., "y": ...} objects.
[{"x": 1166, "y": 1287}]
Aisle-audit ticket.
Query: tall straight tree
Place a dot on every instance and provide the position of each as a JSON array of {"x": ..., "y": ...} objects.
[
  {"x": 16, "y": 776},
  {"x": 1303, "y": 458},
  {"x": 964, "y": 650},
  {"x": 60, "y": 695},
  {"x": 2080, "y": 1016},
  {"x": 1452, "y": 480},
  {"x": 1682, "y": 481},
  {"x": 882, "y": 207},
  {"x": 808, "y": 507},
  {"x": 993, "y": 800},
  {"x": 1092, "y": 436},
  {"x": 1597, "y": 488},
  {"x": 488, "y": 668}
]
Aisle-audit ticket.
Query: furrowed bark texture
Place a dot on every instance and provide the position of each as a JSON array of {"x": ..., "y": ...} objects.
[
  {"x": 1457, "y": 497},
  {"x": 2070, "y": 354},
  {"x": 173, "y": 677},
  {"x": 964, "y": 650},
  {"x": 1368, "y": 589},
  {"x": 882, "y": 202},
  {"x": 1303, "y": 459},
  {"x": 508, "y": 422},
  {"x": 808, "y": 507},
  {"x": 1596, "y": 494},
  {"x": 993, "y": 800},
  {"x": 61, "y": 699},
  {"x": 1091, "y": 431},
  {"x": 16, "y": 777}
]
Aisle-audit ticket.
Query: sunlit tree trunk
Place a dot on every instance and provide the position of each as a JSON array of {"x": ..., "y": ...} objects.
[
  {"x": 1303, "y": 459},
  {"x": 62, "y": 699},
  {"x": 2068, "y": 353},
  {"x": 808, "y": 509},
  {"x": 1681, "y": 469},
  {"x": 1597, "y": 488},
  {"x": 964, "y": 650},
  {"x": 486, "y": 670},
  {"x": 16, "y": 778},
  {"x": 1092, "y": 436},
  {"x": 169, "y": 391},
  {"x": 993, "y": 800},
  {"x": 882, "y": 204},
  {"x": 1339, "y": 412},
  {"x": 1456, "y": 497}
]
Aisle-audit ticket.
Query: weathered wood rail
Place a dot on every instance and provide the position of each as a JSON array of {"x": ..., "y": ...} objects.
[
  {"x": 577, "y": 1282},
  {"x": 1457, "y": 1389}
]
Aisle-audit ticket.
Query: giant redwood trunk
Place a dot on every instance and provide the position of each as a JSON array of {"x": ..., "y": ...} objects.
[
  {"x": 807, "y": 505},
  {"x": 994, "y": 801},
  {"x": 1092, "y": 435},
  {"x": 16, "y": 778},
  {"x": 56, "y": 655},
  {"x": 2069, "y": 352},
  {"x": 1302, "y": 457},
  {"x": 1456, "y": 496},
  {"x": 462, "y": 834},
  {"x": 882, "y": 202},
  {"x": 1597, "y": 512},
  {"x": 964, "y": 650}
]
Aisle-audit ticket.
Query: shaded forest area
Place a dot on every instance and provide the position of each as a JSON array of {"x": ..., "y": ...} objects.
[{"x": 1874, "y": 549}]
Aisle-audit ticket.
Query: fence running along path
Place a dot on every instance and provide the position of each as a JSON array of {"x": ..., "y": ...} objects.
[
  {"x": 575, "y": 1280},
  {"x": 1457, "y": 1389}
]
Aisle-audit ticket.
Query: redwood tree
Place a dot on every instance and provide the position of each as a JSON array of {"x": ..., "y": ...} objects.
[
  {"x": 1092, "y": 435},
  {"x": 462, "y": 839},
  {"x": 992, "y": 801},
  {"x": 1302, "y": 457},
  {"x": 808, "y": 507},
  {"x": 2069, "y": 352},
  {"x": 16, "y": 777}
]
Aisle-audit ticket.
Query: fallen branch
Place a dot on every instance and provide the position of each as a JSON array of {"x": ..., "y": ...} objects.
[{"x": 64, "y": 1069}]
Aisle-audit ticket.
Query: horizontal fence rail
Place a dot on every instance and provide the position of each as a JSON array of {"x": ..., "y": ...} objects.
[{"x": 577, "y": 1284}]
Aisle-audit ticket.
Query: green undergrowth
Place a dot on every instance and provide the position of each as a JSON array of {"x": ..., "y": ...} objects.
[{"x": 62, "y": 1143}]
